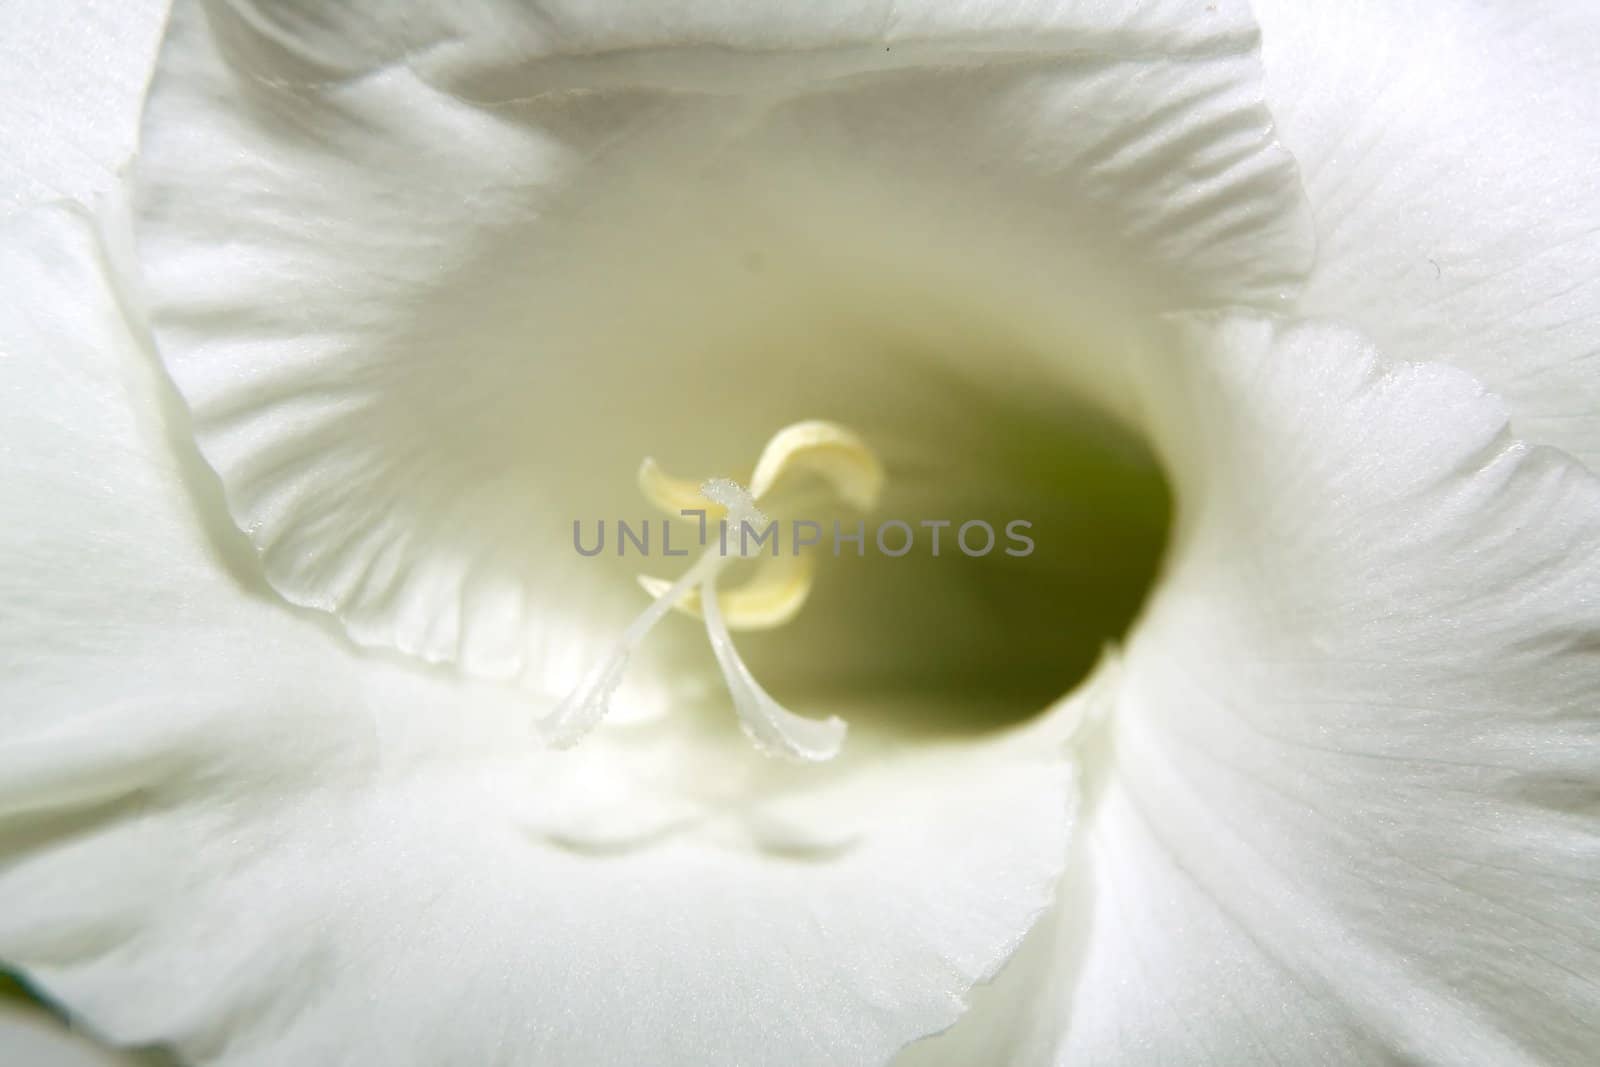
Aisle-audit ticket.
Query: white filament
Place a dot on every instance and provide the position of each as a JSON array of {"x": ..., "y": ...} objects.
[{"x": 772, "y": 727}]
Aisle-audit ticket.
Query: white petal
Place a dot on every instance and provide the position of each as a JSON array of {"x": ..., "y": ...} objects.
[
  {"x": 1341, "y": 800},
  {"x": 31, "y": 1038},
  {"x": 72, "y": 77},
  {"x": 224, "y": 829},
  {"x": 426, "y": 313},
  {"x": 1449, "y": 151},
  {"x": 353, "y": 38}
]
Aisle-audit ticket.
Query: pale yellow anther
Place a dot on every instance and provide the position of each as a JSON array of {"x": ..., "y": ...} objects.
[
  {"x": 674, "y": 495},
  {"x": 773, "y": 595},
  {"x": 823, "y": 448},
  {"x": 778, "y": 590},
  {"x": 826, "y": 449}
]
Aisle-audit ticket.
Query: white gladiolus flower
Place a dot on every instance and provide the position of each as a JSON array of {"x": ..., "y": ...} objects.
[{"x": 324, "y": 739}]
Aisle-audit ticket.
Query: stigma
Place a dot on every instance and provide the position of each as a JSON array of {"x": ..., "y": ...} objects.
[{"x": 771, "y": 597}]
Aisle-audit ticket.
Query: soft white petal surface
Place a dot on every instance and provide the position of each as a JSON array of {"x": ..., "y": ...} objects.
[
  {"x": 29, "y": 1037},
  {"x": 72, "y": 78},
  {"x": 433, "y": 286},
  {"x": 1342, "y": 789},
  {"x": 1450, "y": 149},
  {"x": 350, "y": 39},
  {"x": 224, "y": 828}
]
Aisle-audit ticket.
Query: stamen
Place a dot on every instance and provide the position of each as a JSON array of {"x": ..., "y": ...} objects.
[
  {"x": 772, "y": 597},
  {"x": 773, "y": 728}
]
